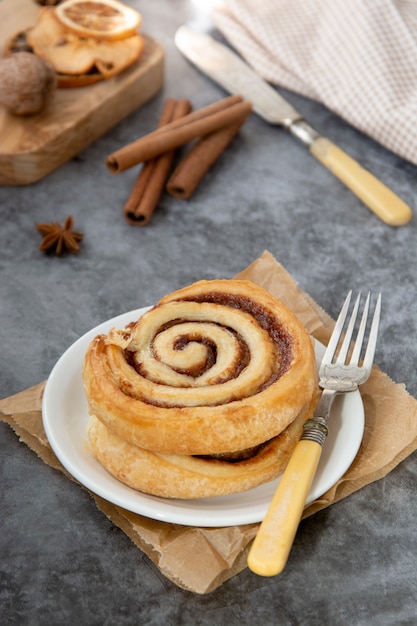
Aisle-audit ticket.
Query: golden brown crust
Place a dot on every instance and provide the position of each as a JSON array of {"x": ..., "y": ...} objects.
[
  {"x": 203, "y": 412},
  {"x": 175, "y": 476}
]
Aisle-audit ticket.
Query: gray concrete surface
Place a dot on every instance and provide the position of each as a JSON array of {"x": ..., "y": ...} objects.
[{"x": 61, "y": 561}]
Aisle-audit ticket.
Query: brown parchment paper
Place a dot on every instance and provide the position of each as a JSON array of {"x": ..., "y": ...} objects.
[{"x": 201, "y": 559}]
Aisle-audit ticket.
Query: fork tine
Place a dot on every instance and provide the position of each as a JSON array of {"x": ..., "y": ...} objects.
[
  {"x": 361, "y": 333},
  {"x": 370, "y": 350},
  {"x": 337, "y": 331},
  {"x": 349, "y": 332}
]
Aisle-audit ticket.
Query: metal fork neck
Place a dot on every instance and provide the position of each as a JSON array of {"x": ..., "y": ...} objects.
[{"x": 325, "y": 403}]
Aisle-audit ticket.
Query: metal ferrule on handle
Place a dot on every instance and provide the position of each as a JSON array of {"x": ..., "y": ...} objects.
[
  {"x": 315, "y": 429},
  {"x": 303, "y": 132}
]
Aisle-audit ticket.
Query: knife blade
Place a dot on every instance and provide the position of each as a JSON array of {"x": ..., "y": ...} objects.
[{"x": 230, "y": 71}]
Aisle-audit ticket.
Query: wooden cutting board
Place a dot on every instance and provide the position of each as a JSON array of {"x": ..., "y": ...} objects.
[{"x": 33, "y": 146}]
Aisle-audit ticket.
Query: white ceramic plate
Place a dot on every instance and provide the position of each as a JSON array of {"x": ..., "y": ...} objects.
[{"x": 65, "y": 418}]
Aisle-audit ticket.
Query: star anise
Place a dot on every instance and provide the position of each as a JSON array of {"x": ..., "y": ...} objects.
[{"x": 59, "y": 238}]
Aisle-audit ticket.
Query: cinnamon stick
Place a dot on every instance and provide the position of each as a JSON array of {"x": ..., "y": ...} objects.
[
  {"x": 228, "y": 111},
  {"x": 197, "y": 162},
  {"x": 151, "y": 179}
]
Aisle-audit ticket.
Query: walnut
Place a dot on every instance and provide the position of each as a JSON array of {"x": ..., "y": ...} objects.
[{"x": 27, "y": 82}]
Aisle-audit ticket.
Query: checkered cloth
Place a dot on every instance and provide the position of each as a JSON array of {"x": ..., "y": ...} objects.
[{"x": 357, "y": 57}]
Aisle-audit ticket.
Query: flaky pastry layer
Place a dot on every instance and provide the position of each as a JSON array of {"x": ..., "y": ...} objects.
[{"x": 176, "y": 476}]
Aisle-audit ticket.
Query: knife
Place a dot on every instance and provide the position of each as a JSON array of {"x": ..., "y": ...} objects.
[{"x": 226, "y": 68}]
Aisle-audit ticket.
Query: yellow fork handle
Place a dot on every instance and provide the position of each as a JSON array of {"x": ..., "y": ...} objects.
[
  {"x": 374, "y": 194},
  {"x": 272, "y": 544}
]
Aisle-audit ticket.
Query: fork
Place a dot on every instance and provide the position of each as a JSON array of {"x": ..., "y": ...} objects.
[{"x": 339, "y": 372}]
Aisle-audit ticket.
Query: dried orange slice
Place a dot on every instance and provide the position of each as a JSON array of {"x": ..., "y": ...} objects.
[
  {"x": 73, "y": 55},
  {"x": 99, "y": 19}
]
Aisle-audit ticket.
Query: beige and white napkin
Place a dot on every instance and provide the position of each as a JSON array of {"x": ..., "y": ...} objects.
[{"x": 358, "y": 58}]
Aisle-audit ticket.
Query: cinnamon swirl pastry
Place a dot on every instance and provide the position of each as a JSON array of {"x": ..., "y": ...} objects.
[{"x": 205, "y": 394}]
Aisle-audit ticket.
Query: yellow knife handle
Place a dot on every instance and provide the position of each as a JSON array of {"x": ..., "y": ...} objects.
[
  {"x": 374, "y": 194},
  {"x": 272, "y": 544}
]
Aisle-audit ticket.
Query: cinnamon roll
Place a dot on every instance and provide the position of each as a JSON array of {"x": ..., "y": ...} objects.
[{"x": 205, "y": 394}]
